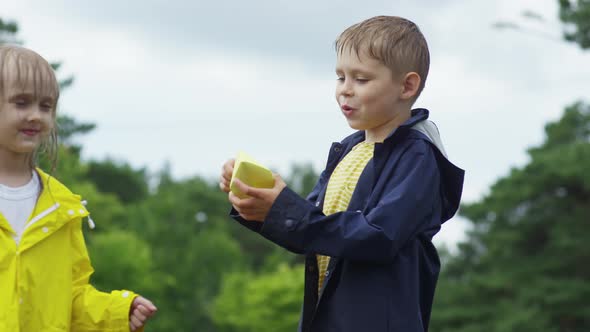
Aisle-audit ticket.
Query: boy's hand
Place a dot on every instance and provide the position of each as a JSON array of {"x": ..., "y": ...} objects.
[
  {"x": 141, "y": 310},
  {"x": 226, "y": 172},
  {"x": 256, "y": 206}
]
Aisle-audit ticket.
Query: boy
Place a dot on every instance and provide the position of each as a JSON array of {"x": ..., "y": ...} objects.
[{"x": 366, "y": 228}]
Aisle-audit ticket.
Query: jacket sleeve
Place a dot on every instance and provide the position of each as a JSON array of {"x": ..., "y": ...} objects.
[
  {"x": 409, "y": 205},
  {"x": 256, "y": 226},
  {"x": 93, "y": 310}
]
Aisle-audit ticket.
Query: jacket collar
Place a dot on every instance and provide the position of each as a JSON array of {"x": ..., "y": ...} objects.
[
  {"x": 56, "y": 206},
  {"x": 452, "y": 176},
  {"x": 418, "y": 114},
  {"x": 54, "y": 192}
]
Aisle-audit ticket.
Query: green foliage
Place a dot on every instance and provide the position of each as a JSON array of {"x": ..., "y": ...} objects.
[
  {"x": 127, "y": 184},
  {"x": 267, "y": 302},
  {"x": 68, "y": 127},
  {"x": 107, "y": 211},
  {"x": 570, "y": 129},
  {"x": 576, "y": 14},
  {"x": 302, "y": 178},
  {"x": 8, "y": 30},
  {"x": 524, "y": 267},
  {"x": 174, "y": 243},
  {"x": 121, "y": 260},
  {"x": 187, "y": 226},
  {"x": 68, "y": 160}
]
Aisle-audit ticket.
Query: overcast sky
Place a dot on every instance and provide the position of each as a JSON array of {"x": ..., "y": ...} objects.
[{"x": 193, "y": 82}]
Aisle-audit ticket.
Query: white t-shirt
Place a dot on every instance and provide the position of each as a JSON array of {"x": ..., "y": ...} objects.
[{"x": 17, "y": 204}]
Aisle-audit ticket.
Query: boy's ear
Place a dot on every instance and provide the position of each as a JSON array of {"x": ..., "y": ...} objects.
[{"x": 411, "y": 84}]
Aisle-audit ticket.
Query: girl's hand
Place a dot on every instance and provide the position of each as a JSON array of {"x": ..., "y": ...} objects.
[{"x": 141, "y": 310}]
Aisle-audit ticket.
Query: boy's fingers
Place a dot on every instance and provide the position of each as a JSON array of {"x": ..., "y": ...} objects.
[
  {"x": 224, "y": 185},
  {"x": 242, "y": 204},
  {"x": 233, "y": 199},
  {"x": 228, "y": 168},
  {"x": 226, "y": 176},
  {"x": 279, "y": 182},
  {"x": 244, "y": 188},
  {"x": 250, "y": 191}
]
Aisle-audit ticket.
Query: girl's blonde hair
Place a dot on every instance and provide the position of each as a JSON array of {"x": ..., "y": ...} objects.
[{"x": 24, "y": 70}]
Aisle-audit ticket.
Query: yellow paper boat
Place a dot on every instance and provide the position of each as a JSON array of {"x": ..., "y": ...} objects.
[{"x": 250, "y": 172}]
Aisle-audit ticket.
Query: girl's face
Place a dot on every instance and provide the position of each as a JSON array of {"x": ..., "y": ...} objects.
[
  {"x": 26, "y": 119},
  {"x": 28, "y": 97}
]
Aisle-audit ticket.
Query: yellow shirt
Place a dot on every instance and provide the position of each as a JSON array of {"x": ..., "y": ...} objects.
[{"x": 340, "y": 188}]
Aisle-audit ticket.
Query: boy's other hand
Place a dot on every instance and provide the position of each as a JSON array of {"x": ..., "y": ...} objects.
[
  {"x": 256, "y": 206},
  {"x": 226, "y": 172},
  {"x": 141, "y": 310}
]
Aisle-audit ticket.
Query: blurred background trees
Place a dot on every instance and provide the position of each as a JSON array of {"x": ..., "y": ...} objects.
[{"x": 524, "y": 265}]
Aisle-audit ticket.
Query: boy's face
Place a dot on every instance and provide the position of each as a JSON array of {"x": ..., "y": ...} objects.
[
  {"x": 368, "y": 95},
  {"x": 25, "y": 120}
]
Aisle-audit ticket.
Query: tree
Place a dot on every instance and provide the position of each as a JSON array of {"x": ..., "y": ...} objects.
[
  {"x": 172, "y": 240},
  {"x": 8, "y": 30},
  {"x": 524, "y": 267},
  {"x": 193, "y": 246},
  {"x": 575, "y": 18},
  {"x": 119, "y": 178},
  {"x": 265, "y": 302},
  {"x": 302, "y": 178},
  {"x": 576, "y": 15},
  {"x": 133, "y": 270},
  {"x": 122, "y": 258},
  {"x": 68, "y": 126}
]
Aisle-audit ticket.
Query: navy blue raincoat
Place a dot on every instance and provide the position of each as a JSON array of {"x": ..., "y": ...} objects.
[{"x": 384, "y": 267}]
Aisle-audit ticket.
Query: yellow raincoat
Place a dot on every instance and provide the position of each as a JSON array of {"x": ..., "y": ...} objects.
[{"x": 44, "y": 279}]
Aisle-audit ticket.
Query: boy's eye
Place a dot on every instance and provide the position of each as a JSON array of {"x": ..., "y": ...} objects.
[
  {"x": 361, "y": 80},
  {"x": 340, "y": 78}
]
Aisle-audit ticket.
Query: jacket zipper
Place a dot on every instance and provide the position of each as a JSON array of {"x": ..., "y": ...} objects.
[{"x": 41, "y": 215}]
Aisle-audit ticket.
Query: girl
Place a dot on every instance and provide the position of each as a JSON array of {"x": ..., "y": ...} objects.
[{"x": 44, "y": 265}]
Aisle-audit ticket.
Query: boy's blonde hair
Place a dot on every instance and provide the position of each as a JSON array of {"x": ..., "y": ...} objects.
[
  {"x": 394, "y": 41},
  {"x": 23, "y": 69}
]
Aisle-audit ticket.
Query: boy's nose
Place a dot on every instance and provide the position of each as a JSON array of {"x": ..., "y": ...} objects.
[{"x": 346, "y": 89}]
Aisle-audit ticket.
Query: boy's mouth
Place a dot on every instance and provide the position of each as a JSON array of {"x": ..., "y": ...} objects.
[{"x": 347, "y": 110}]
